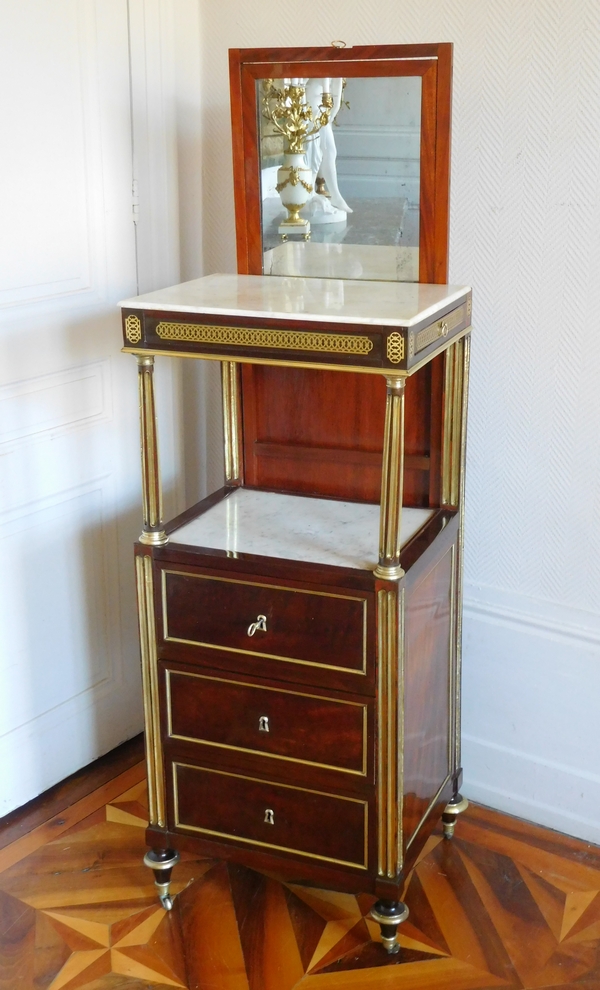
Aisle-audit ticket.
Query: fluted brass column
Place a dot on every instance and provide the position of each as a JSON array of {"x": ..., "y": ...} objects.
[
  {"x": 390, "y": 517},
  {"x": 153, "y": 532},
  {"x": 390, "y": 721},
  {"x": 466, "y": 356},
  {"x": 154, "y": 759},
  {"x": 231, "y": 421}
]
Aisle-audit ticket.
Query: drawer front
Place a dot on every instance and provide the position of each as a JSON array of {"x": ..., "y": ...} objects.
[
  {"x": 275, "y": 817},
  {"x": 297, "y": 626},
  {"x": 291, "y": 725}
]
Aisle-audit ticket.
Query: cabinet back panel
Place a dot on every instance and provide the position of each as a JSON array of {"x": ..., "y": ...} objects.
[{"x": 321, "y": 432}]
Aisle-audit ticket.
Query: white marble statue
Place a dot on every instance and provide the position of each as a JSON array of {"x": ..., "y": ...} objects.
[{"x": 321, "y": 154}]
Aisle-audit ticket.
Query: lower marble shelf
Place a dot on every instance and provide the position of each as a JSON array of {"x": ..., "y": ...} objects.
[{"x": 294, "y": 527}]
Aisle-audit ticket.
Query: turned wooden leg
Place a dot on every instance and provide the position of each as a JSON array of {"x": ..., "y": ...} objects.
[
  {"x": 162, "y": 862},
  {"x": 455, "y": 806},
  {"x": 389, "y": 915}
]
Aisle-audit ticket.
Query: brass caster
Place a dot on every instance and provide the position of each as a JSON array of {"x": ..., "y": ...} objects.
[
  {"x": 454, "y": 807},
  {"x": 306, "y": 236},
  {"x": 389, "y": 915},
  {"x": 449, "y": 828},
  {"x": 284, "y": 237},
  {"x": 162, "y": 862}
]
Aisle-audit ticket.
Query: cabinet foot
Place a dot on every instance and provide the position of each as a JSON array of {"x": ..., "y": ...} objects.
[
  {"x": 454, "y": 807},
  {"x": 162, "y": 862},
  {"x": 389, "y": 915}
]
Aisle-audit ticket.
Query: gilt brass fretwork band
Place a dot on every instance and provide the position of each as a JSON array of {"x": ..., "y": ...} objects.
[
  {"x": 440, "y": 329},
  {"x": 295, "y": 340},
  {"x": 133, "y": 329},
  {"x": 395, "y": 348},
  {"x": 154, "y": 761},
  {"x": 389, "y": 750}
]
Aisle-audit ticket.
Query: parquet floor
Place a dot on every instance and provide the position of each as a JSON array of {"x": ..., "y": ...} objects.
[{"x": 505, "y": 904}]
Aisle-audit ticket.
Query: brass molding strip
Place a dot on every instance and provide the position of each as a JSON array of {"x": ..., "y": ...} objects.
[
  {"x": 276, "y": 362},
  {"x": 295, "y": 340},
  {"x": 429, "y": 807},
  {"x": 439, "y": 350},
  {"x": 254, "y": 653},
  {"x": 282, "y": 362},
  {"x": 154, "y": 758},
  {"x": 260, "y": 752},
  {"x": 231, "y": 420},
  {"x": 400, "y": 760},
  {"x": 452, "y": 680},
  {"x": 388, "y": 733},
  {"x": 269, "y": 845}
]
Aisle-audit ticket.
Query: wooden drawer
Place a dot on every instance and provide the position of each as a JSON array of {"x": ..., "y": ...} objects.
[
  {"x": 251, "y": 718},
  {"x": 303, "y": 627},
  {"x": 270, "y": 816}
]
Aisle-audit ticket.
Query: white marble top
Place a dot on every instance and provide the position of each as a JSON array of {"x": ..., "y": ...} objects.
[
  {"x": 293, "y": 527},
  {"x": 394, "y": 304}
]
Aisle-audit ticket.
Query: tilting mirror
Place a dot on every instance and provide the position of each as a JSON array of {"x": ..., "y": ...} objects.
[{"x": 341, "y": 161}]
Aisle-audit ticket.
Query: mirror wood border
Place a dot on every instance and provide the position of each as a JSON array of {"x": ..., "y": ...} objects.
[{"x": 432, "y": 62}]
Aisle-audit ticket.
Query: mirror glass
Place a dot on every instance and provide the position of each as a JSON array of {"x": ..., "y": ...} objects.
[{"x": 340, "y": 176}]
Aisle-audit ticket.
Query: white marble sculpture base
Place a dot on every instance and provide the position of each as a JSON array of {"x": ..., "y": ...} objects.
[{"x": 293, "y": 527}]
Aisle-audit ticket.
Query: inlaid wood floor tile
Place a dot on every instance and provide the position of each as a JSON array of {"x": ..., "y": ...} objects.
[{"x": 503, "y": 905}]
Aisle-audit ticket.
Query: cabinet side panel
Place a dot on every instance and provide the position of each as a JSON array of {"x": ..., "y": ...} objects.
[{"x": 427, "y": 690}]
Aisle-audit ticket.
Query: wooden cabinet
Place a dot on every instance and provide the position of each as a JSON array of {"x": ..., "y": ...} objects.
[{"x": 300, "y": 649}]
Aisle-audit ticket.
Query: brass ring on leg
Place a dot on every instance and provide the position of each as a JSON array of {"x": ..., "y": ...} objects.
[{"x": 389, "y": 915}]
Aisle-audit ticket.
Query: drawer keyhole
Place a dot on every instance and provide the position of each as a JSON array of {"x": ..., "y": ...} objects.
[
  {"x": 261, "y": 623},
  {"x": 263, "y": 723},
  {"x": 269, "y": 816}
]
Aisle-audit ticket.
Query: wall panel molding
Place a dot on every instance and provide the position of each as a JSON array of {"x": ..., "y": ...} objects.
[
  {"x": 72, "y": 398},
  {"x": 530, "y": 744}
]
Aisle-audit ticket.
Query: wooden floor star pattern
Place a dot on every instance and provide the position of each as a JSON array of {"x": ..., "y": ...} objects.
[{"x": 505, "y": 904}]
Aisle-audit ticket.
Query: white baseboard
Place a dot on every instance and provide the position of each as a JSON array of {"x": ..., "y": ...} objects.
[{"x": 531, "y": 745}]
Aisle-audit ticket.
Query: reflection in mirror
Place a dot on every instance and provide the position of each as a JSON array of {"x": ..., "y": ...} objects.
[{"x": 340, "y": 176}]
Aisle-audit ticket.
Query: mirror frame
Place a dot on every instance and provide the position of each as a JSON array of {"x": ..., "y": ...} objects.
[{"x": 432, "y": 62}]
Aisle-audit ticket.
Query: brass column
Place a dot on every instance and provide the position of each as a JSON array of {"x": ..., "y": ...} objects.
[
  {"x": 390, "y": 518},
  {"x": 466, "y": 355},
  {"x": 153, "y": 532},
  {"x": 154, "y": 760},
  {"x": 230, "y": 372},
  {"x": 390, "y": 719}
]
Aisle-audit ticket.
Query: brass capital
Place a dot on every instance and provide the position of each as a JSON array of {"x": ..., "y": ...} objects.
[
  {"x": 145, "y": 361},
  {"x": 395, "y": 383},
  {"x": 154, "y": 539},
  {"x": 389, "y": 572}
]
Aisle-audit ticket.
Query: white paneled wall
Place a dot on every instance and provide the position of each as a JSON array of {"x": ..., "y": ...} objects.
[
  {"x": 69, "y": 444},
  {"x": 525, "y": 232}
]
